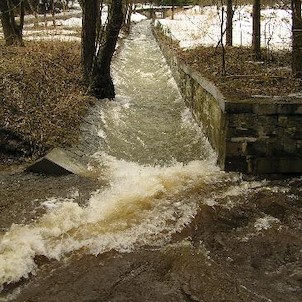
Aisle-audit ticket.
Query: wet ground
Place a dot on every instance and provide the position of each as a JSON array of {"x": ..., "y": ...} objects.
[{"x": 22, "y": 195}]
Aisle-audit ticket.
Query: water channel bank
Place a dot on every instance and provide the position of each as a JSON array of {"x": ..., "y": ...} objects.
[
  {"x": 160, "y": 221},
  {"x": 256, "y": 135}
]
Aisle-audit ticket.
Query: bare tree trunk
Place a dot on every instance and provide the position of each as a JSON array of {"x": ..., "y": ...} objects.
[
  {"x": 256, "y": 29},
  {"x": 22, "y": 16},
  {"x": 11, "y": 30},
  {"x": 102, "y": 85},
  {"x": 296, "y": 39},
  {"x": 128, "y": 14},
  {"x": 6, "y": 25},
  {"x": 34, "y": 11},
  {"x": 91, "y": 20},
  {"x": 223, "y": 68},
  {"x": 52, "y": 4},
  {"x": 99, "y": 24},
  {"x": 173, "y": 9},
  {"x": 45, "y": 13},
  {"x": 229, "y": 23}
]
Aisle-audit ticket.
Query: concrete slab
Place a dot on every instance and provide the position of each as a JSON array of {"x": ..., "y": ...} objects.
[{"x": 58, "y": 162}]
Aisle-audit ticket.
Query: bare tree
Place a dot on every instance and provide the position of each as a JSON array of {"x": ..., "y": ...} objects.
[
  {"x": 33, "y": 8},
  {"x": 52, "y": 5},
  {"x": 101, "y": 84},
  {"x": 11, "y": 29},
  {"x": 296, "y": 38},
  {"x": 221, "y": 13},
  {"x": 129, "y": 10},
  {"x": 98, "y": 46},
  {"x": 223, "y": 54},
  {"x": 229, "y": 23},
  {"x": 256, "y": 36},
  {"x": 173, "y": 9},
  {"x": 91, "y": 11}
]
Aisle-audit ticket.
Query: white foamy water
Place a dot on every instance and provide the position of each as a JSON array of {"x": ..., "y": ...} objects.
[
  {"x": 266, "y": 222},
  {"x": 137, "y": 209}
]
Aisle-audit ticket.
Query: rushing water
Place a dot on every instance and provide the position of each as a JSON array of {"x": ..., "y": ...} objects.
[
  {"x": 149, "y": 149},
  {"x": 148, "y": 123},
  {"x": 151, "y": 160}
]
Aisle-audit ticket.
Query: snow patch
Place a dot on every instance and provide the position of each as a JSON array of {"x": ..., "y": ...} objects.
[{"x": 201, "y": 26}]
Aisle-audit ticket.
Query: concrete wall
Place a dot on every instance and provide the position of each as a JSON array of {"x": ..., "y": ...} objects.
[{"x": 254, "y": 136}]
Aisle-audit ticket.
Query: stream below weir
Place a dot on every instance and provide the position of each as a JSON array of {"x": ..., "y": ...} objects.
[{"x": 158, "y": 221}]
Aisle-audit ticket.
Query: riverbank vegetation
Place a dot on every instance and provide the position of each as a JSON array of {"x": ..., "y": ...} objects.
[
  {"x": 42, "y": 97},
  {"x": 47, "y": 86}
]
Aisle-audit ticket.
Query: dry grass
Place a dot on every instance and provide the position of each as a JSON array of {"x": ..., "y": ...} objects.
[
  {"x": 42, "y": 94},
  {"x": 244, "y": 76}
]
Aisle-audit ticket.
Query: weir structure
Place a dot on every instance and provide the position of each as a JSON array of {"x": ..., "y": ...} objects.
[
  {"x": 155, "y": 12},
  {"x": 159, "y": 12},
  {"x": 258, "y": 135}
]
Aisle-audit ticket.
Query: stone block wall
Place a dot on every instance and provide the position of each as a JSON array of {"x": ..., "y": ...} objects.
[
  {"x": 253, "y": 136},
  {"x": 264, "y": 135}
]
